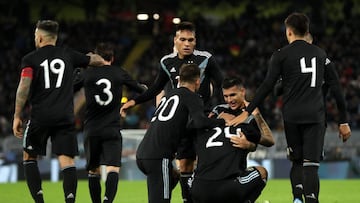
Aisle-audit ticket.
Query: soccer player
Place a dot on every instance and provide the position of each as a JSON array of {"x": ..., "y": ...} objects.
[
  {"x": 234, "y": 95},
  {"x": 302, "y": 67},
  {"x": 218, "y": 177},
  {"x": 157, "y": 149},
  {"x": 103, "y": 140},
  {"x": 47, "y": 84},
  {"x": 333, "y": 84},
  {"x": 211, "y": 76}
]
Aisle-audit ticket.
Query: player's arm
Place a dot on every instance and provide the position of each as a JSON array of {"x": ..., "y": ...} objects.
[
  {"x": 132, "y": 84},
  {"x": 264, "y": 89},
  {"x": 197, "y": 116},
  {"x": 266, "y": 138},
  {"x": 155, "y": 89},
  {"x": 22, "y": 95},
  {"x": 332, "y": 80},
  {"x": 213, "y": 71}
]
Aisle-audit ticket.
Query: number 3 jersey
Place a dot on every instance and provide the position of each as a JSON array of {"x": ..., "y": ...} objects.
[
  {"x": 170, "y": 121},
  {"x": 217, "y": 158},
  {"x": 103, "y": 90},
  {"x": 51, "y": 93}
]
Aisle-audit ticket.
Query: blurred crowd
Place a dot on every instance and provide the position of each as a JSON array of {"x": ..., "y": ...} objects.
[{"x": 242, "y": 45}]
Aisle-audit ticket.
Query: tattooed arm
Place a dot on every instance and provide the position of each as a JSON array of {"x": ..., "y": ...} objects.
[
  {"x": 267, "y": 138},
  {"x": 22, "y": 94}
]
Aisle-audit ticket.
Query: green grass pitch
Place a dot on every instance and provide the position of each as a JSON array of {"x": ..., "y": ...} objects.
[{"x": 276, "y": 191}]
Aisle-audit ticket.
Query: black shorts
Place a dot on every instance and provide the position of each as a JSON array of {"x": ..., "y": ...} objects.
[
  {"x": 63, "y": 139},
  {"x": 186, "y": 147},
  {"x": 103, "y": 148},
  {"x": 159, "y": 178},
  {"x": 232, "y": 190},
  {"x": 305, "y": 141}
]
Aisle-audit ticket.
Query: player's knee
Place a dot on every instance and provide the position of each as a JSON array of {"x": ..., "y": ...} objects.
[
  {"x": 28, "y": 157},
  {"x": 186, "y": 165},
  {"x": 263, "y": 172},
  {"x": 66, "y": 161},
  {"x": 95, "y": 171},
  {"x": 294, "y": 155},
  {"x": 115, "y": 169}
]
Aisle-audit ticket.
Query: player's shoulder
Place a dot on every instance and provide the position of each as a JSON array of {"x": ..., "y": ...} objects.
[
  {"x": 220, "y": 108},
  {"x": 199, "y": 53},
  {"x": 170, "y": 56}
]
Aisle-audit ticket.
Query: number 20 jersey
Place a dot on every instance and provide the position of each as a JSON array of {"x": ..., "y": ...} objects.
[
  {"x": 170, "y": 121},
  {"x": 51, "y": 93}
]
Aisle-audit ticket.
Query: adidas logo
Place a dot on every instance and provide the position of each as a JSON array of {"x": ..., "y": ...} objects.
[
  {"x": 105, "y": 198},
  {"x": 70, "y": 196},
  {"x": 29, "y": 147},
  {"x": 173, "y": 70},
  {"x": 312, "y": 196},
  {"x": 300, "y": 186},
  {"x": 40, "y": 192}
]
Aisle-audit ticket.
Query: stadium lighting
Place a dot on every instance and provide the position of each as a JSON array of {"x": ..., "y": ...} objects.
[
  {"x": 156, "y": 16},
  {"x": 142, "y": 16},
  {"x": 176, "y": 20}
]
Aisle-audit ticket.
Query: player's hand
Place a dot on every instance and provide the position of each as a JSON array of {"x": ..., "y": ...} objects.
[
  {"x": 17, "y": 127},
  {"x": 344, "y": 131},
  {"x": 125, "y": 107},
  {"x": 240, "y": 141},
  {"x": 238, "y": 119}
]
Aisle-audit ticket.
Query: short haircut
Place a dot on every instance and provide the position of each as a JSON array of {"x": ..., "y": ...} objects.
[
  {"x": 49, "y": 26},
  {"x": 231, "y": 82},
  {"x": 189, "y": 73},
  {"x": 298, "y": 22},
  {"x": 186, "y": 26},
  {"x": 105, "y": 50}
]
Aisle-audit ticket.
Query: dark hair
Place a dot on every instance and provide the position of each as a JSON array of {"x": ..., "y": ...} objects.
[
  {"x": 231, "y": 82},
  {"x": 298, "y": 22},
  {"x": 186, "y": 26},
  {"x": 189, "y": 72},
  {"x": 49, "y": 26},
  {"x": 105, "y": 50}
]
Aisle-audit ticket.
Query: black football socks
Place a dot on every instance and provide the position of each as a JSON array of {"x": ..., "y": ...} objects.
[
  {"x": 111, "y": 185},
  {"x": 33, "y": 180},
  {"x": 94, "y": 187},
  {"x": 69, "y": 183}
]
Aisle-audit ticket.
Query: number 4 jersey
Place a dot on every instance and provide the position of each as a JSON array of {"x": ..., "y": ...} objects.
[{"x": 51, "y": 93}]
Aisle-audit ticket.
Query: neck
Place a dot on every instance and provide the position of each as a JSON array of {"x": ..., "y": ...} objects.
[
  {"x": 292, "y": 39},
  {"x": 190, "y": 86},
  {"x": 46, "y": 43}
]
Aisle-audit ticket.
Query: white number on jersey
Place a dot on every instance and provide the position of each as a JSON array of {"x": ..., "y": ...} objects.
[
  {"x": 163, "y": 105},
  {"x": 56, "y": 66},
  {"x": 311, "y": 69},
  {"x": 211, "y": 141},
  {"x": 106, "y": 90}
]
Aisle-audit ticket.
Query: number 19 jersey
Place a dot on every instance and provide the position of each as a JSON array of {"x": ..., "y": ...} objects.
[{"x": 51, "y": 93}]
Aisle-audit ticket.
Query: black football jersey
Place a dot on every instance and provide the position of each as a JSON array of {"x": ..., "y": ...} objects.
[
  {"x": 103, "y": 90},
  {"x": 170, "y": 121},
  {"x": 169, "y": 73},
  {"x": 302, "y": 67},
  {"x": 217, "y": 158},
  {"x": 51, "y": 93}
]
